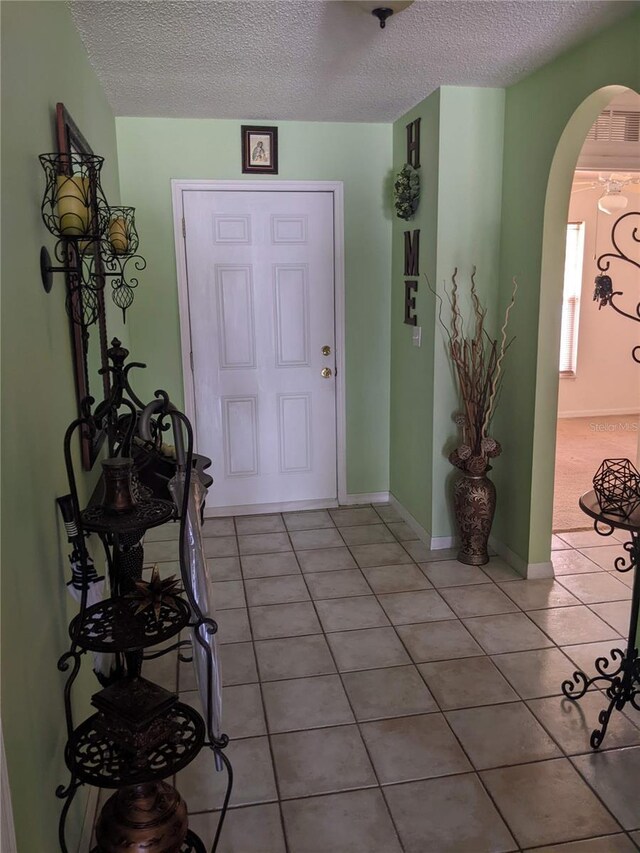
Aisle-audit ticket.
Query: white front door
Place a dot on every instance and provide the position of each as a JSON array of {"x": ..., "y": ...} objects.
[{"x": 260, "y": 272}]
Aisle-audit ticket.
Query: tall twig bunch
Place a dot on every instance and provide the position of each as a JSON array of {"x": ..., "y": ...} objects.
[{"x": 477, "y": 363}]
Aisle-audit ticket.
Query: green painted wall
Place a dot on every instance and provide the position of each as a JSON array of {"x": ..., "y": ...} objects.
[
  {"x": 469, "y": 210},
  {"x": 459, "y": 221},
  {"x": 537, "y": 112},
  {"x": 43, "y": 61},
  {"x": 412, "y": 368},
  {"x": 153, "y": 151}
]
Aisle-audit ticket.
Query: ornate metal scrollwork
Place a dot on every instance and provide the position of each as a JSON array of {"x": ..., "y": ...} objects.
[
  {"x": 620, "y": 669},
  {"x": 604, "y": 292},
  {"x": 93, "y": 758}
]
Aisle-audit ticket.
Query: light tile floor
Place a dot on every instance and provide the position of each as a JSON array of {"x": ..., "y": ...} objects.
[{"x": 382, "y": 697}]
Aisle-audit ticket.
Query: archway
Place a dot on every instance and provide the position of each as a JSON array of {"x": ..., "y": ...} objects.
[{"x": 551, "y": 283}]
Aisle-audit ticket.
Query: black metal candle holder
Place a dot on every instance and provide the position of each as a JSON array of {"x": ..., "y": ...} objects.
[
  {"x": 74, "y": 205},
  {"x": 94, "y": 241},
  {"x": 122, "y": 233}
]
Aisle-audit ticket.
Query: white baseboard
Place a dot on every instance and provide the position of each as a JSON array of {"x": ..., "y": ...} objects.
[
  {"x": 257, "y": 509},
  {"x": 365, "y": 498},
  {"x": 417, "y": 528},
  {"x": 599, "y": 413},
  {"x": 530, "y": 571},
  {"x": 434, "y": 543},
  {"x": 89, "y": 819},
  {"x": 296, "y": 506},
  {"x": 439, "y": 542}
]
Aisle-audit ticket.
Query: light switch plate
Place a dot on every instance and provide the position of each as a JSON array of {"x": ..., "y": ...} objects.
[{"x": 416, "y": 337}]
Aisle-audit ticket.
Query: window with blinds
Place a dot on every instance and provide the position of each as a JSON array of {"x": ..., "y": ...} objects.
[{"x": 571, "y": 298}]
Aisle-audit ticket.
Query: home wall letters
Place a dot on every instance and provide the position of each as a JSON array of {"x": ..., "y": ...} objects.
[
  {"x": 412, "y": 238},
  {"x": 412, "y": 253},
  {"x": 410, "y": 287},
  {"x": 413, "y": 143}
]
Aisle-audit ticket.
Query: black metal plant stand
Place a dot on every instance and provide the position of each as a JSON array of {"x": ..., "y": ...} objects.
[
  {"x": 114, "y": 626},
  {"x": 621, "y": 669}
]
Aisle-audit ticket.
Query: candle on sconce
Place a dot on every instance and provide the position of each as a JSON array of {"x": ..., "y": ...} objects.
[
  {"x": 118, "y": 235},
  {"x": 72, "y": 199},
  {"x": 86, "y": 247}
]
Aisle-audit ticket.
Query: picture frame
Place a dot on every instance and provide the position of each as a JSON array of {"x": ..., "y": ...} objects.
[{"x": 259, "y": 150}]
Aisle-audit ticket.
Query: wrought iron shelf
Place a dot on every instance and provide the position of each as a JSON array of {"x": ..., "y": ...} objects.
[
  {"x": 191, "y": 844},
  {"x": 94, "y": 759},
  {"x": 114, "y": 626},
  {"x": 150, "y": 513},
  {"x": 115, "y": 749},
  {"x": 619, "y": 672}
]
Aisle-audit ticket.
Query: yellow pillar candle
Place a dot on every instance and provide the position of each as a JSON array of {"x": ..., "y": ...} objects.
[
  {"x": 118, "y": 235},
  {"x": 86, "y": 247},
  {"x": 72, "y": 196}
]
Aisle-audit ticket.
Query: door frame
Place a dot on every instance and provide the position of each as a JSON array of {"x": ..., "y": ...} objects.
[{"x": 178, "y": 188}]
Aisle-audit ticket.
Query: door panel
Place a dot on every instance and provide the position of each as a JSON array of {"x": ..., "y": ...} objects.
[{"x": 260, "y": 270}]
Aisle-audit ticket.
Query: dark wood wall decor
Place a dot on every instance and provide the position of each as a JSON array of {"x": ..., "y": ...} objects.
[
  {"x": 411, "y": 268},
  {"x": 413, "y": 143},
  {"x": 410, "y": 288},
  {"x": 412, "y": 238},
  {"x": 69, "y": 139},
  {"x": 412, "y": 253},
  {"x": 259, "y": 150}
]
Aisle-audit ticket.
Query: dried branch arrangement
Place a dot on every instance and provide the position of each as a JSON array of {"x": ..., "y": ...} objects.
[{"x": 477, "y": 362}]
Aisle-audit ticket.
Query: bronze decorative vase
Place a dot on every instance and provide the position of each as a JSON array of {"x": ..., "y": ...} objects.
[
  {"x": 146, "y": 818},
  {"x": 474, "y": 501},
  {"x": 117, "y": 473}
]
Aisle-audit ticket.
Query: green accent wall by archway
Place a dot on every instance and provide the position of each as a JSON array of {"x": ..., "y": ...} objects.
[
  {"x": 474, "y": 141},
  {"x": 537, "y": 112}
]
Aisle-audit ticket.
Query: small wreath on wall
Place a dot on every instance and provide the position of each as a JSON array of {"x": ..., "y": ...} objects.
[{"x": 406, "y": 192}]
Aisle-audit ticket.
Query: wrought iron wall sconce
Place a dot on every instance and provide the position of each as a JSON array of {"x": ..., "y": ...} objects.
[
  {"x": 604, "y": 292},
  {"x": 75, "y": 210}
]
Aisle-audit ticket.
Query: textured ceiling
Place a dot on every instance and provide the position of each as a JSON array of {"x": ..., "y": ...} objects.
[{"x": 316, "y": 60}]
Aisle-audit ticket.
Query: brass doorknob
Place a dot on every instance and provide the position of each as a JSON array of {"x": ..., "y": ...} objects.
[
  {"x": 325, "y": 372},
  {"x": 326, "y": 350}
]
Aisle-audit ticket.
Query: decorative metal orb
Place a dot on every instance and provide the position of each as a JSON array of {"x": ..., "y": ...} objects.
[{"x": 617, "y": 487}]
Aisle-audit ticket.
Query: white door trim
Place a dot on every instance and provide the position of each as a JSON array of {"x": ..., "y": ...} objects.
[{"x": 178, "y": 187}]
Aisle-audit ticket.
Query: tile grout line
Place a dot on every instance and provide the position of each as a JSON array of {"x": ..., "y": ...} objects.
[
  {"x": 262, "y": 702},
  {"x": 355, "y": 718},
  {"x": 521, "y": 699},
  {"x": 525, "y": 702},
  {"x": 474, "y": 771},
  {"x": 446, "y": 721}
]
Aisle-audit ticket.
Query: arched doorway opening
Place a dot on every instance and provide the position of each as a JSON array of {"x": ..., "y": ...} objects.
[{"x": 556, "y": 212}]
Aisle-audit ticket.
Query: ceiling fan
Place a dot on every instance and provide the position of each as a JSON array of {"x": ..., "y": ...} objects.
[{"x": 613, "y": 199}]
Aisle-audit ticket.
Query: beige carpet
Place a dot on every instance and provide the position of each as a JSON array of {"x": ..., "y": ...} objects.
[{"x": 582, "y": 444}]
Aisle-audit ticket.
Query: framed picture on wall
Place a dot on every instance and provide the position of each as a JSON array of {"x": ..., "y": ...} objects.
[{"x": 259, "y": 150}]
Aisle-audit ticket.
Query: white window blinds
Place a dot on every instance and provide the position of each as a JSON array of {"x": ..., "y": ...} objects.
[{"x": 571, "y": 298}]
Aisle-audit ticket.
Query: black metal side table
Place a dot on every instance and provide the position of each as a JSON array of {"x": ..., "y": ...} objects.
[{"x": 621, "y": 668}]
